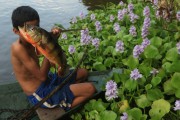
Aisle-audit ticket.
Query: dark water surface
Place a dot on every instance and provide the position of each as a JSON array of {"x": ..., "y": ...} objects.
[{"x": 50, "y": 11}]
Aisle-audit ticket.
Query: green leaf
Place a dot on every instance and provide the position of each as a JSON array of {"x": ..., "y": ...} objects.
[
  {"x": 99, "y": 59},
  {"x": 159, "y": 109},
  {"x": 134, "y": 114},
  {"x": 77, "y": 116},
  {"x": 127, "y": 37},
  {"x": 175, "y": 80},
  {"x": 166, "y": 47},
  {"x": 116, "y": 77},
  {"x": 151, "y": 51},
  {"x": 155, "y": 81},
  {"x": 99, "y": 66},
  {"x": 108, "y": 115},
  {"x": 108, "y": 62},
  {"x": 172, "y": 54},
  {"x": 142, "y": 101},
  {"x": 131, "y": 62},
  {"x": 120, "y": 34},
  {"x": 131, "y": 85},
  {"x": 145, "y": 70},
  {"x": 167, "y": 66},
  {"x": 148, "y": 87},
  {"x": 105, "y": 34},
  {"x": 93, "y": 115},
  {"x": 123, "y": 106},
  {"x": 144, "y": 117},
  {"x": 99, "y": 106},
  {"x": 108, "y": 50},
  {"x": 156, "y": 41},
  {"x": 177, "y": 93},
  {"x": 177, "y": 35},
  {"x": 154, "y": 94},
  {"x": 168, "y": 88},
  {"x": 175, "y": 66}
]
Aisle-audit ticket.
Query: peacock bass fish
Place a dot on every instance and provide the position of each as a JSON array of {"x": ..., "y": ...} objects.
[{"x": 46, "y": 45}]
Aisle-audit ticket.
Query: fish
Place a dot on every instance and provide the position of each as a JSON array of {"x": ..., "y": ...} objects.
[{"x": 44, "y": 42}]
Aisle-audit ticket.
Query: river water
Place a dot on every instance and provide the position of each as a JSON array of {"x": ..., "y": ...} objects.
[{"x": 50, "y": 11}]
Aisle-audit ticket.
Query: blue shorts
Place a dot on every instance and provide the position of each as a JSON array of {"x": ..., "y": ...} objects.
[{"x": 62, "y": 98}]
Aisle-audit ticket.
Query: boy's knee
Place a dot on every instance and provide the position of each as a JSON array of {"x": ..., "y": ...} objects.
[
  {"x": 91, "y": 88},
  {"x": 82, "y": 73}
]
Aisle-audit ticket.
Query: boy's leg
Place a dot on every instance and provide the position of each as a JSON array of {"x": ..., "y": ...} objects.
[
  {"x": 82, "y": 75},
  {"x": 82, "y": 91}
]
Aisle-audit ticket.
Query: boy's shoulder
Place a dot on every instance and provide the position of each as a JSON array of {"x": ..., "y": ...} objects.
[{"x": 16, "y": 47}]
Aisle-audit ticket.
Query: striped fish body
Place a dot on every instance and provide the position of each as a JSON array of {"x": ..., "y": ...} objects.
[{"x": 45, "y": 44}]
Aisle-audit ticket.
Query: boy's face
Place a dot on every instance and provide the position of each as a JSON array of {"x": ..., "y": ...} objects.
[{"x": 33, "y": 22}]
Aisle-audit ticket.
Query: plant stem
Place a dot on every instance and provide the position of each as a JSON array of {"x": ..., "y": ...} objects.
[
  {"x": 131, "y": 97},
  {"x": 173, "y": 114}
]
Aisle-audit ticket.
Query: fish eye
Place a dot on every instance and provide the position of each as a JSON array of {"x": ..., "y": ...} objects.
[{"x": 32, "y": 28}]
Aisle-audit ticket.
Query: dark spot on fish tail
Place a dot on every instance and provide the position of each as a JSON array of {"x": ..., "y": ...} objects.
[
  {"x": 56, "y": 48},
  {"x": 43, "y": 46}
]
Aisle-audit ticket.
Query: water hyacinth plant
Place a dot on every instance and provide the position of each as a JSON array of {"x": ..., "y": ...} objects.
[{"x": 140, "y": 37}]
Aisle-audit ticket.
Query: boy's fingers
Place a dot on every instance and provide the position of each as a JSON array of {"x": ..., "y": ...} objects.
[{"x": 56, "y": 30}]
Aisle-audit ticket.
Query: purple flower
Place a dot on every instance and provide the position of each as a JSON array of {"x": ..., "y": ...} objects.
[
  {"x": 81, "y": 15},
  {"x": 132, "y": 31},
  {"x": 111, "y": 90},
  {"x": 154, "y": 71},
  {"x": 85, "y": 37},
  {"x": 111, "y": 18},
  {"x": 98, "y": 26},
  {"x": 138, "y": 49},
  {"x": 124, "y": 117},
  {"x": 133, "y": 17},
  {"x": 74, "y": 20},
  {"x": 95, "y": 42},
  {"x": 158, "y": 14},
  {"x": 71, "y": 49},
  {"x": 93, "y": 17},
  {"x": 177, "y": 105},
  {"x": 145, "y": 43},
  {"x": 124, "y": 11},
  {"x": 116, "y": 27},
  {"x": 64, "y": 36},
  {"x": 144, "y": 32},
  {"x": 155, "y": 2},
  {"x": 120, "y": 15},
  {"x": 121, "y": 3},
  {"x": 178, "y": 47},
  {"x": 146, "y": 11},
  {"x": 145, "y": 27},
  {"x": 135, "y": 74},
  {"x": 147, "y": 22},
  {"x": 120, "y": 46},
  {"x": 178, "y": 15},
  {"x": 130, "y": 8}
]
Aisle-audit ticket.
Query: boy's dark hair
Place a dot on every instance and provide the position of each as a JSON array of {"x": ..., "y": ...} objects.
[{"x": 23, "y": 14}]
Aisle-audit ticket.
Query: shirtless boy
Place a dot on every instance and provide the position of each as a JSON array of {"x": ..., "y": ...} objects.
[{"x": 35, "y": 79}]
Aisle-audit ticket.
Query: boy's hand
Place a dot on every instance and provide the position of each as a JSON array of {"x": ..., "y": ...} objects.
[{"x": 55, "y": 31}]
